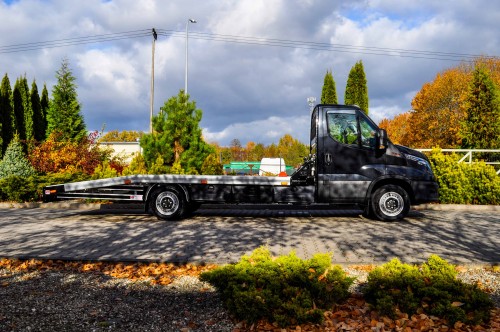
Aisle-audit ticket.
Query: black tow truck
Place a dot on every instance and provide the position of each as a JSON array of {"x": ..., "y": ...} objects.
[{"x": 351, "y": 161}]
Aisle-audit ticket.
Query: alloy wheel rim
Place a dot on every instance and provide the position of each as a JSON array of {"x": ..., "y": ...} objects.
[
  {"x": 167, "y": 203},
  {"x": 391, "y": 204}
]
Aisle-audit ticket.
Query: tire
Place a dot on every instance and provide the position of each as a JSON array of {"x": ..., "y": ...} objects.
[
  {"x": 168, "y": 203},
  {"x": 368, "y": 211},
  {"x": 390, "y": 202}
]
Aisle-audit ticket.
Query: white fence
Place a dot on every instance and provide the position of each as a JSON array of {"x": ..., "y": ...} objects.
[{"x": 468, "y": 155}]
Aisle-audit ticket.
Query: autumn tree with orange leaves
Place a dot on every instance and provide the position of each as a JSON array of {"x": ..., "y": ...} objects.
[
  {"x": 439, "y": 108},
  {"x": 57, "y": 155},
  {"x": 398, "y": 128}
]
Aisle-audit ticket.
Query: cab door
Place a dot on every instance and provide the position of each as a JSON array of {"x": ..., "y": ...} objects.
[{"x": 348, "y": 160}]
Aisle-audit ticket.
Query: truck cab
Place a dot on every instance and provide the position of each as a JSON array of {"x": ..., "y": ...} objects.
[{"x": 353, "y": 161}]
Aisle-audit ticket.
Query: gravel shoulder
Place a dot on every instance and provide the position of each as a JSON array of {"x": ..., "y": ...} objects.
[{"x": 65, "y": 301}]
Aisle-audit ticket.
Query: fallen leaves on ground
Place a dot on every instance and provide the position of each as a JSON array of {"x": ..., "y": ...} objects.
[
  {"x": 353, "y": 315},
  {"x": 155, "y": 273}
]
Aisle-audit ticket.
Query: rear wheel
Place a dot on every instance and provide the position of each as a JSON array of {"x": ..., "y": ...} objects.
[
  {"x": 168, "y": 203},
  {"x": 390, "y": 202},
  {"x": 368, "y": 211}
]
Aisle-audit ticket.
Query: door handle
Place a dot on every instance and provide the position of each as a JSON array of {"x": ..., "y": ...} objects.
[{"x": 328, "y": 159}]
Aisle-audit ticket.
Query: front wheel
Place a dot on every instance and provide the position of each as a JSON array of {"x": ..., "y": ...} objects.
[
  {"x": 390, "y": 202},
  {"x": 168, "y": 203}
]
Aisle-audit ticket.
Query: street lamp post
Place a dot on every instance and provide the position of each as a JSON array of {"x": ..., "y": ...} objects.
[
  {"x": 155, "y": 36},
  {"x": 186, "y": 77}
]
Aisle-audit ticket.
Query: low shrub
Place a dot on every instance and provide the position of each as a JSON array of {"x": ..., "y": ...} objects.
[
  {"x": 431, "y": 288},
  {"x": 27, "y": 189},
  {"x": 18, "y": 188},
  {"x": 286, "y": 290},
  {"x": 56, "y": 154},
  {"x": 58, "y": 178},
  {"x": 104, "y": 171}
]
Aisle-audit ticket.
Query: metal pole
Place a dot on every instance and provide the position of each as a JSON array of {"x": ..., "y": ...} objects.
[
  {"x": 186, "y": 73},
  {"x": 311, "y": 101},
  {"x": 155, "y": 36}
]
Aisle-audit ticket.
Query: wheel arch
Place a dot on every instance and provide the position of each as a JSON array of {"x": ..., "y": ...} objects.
[
  {"x": 155, "y": 186},
  {"x": 396, "y": 181}
]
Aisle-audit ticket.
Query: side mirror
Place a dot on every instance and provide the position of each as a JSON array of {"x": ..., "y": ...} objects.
[{"x": 382, "y": 139}]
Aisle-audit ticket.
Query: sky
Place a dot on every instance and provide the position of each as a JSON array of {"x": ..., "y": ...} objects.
[{"x": 252, "y": 63}]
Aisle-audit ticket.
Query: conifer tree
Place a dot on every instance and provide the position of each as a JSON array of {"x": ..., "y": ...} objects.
[
  {"x": 211, "y": 166},
  {"x": 137, "y": 166},
  {"x": 6, "y": 113},
  {"x": 28, "y": 110},
  {"x": 177, "y": 137},
  {"x": 14, "y": 161},
  {"x": 481, "y": 127},
  {"x": 38, "y": 121},
  {"x": 18, "y": 106},
  {"x": 44, "y": 104},
  {"x": 64, "y": 111},
  {"x": 329, "y": 92},
  {"x": 356, "y": 90}
]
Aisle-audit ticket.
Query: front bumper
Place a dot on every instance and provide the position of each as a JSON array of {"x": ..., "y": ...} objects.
[{"x": 425, "y": 192}]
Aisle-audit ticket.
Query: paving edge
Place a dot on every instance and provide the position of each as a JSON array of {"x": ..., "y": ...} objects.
[
  {"x": 457, "y": 207},
  {"x": 75, "y": 205},
  {"x": 69, "y": 205}
]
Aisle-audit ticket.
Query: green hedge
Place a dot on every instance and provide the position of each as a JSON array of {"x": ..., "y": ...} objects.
[
  {"x": 432, "y": 288},
  {"x": 462, "y": 183},
  {"x": 28, "y": 189},
  {"x": 18, "y": 189},
  {"x": 290, "y": 291},
  {"x": 285, "y": 290}
]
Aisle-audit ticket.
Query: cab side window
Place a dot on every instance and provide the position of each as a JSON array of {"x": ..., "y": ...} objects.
[
  {"x": 351, "y": 129},
  {"x": 368, "y": 132},
  {"x": 343, "y": 127}
]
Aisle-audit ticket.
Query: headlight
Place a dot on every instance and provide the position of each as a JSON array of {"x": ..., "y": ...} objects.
[{"x": 420, "y": 161}]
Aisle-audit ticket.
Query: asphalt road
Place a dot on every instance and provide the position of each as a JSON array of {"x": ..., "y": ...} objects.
[{"x": 222, "y": 235}]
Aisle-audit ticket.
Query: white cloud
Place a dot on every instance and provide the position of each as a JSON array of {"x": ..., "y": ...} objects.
[{"x": 264, "y": 131}]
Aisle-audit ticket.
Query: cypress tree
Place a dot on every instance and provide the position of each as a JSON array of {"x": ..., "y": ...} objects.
[
  {"x": 38, "y": 121},
  {"x": 44, "y": 104},
  {"x": 356, "y": 90},
  {"x": 64, "y": 111},
  {"x": 28, "y": 110},
  {"x": 329, "y": 91},
  {"x": 18, "y": 106},
  {"x": 6, "y": 113},
  {"x": 177, "y": 137},
  {"x": 481, "y": 126}
]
